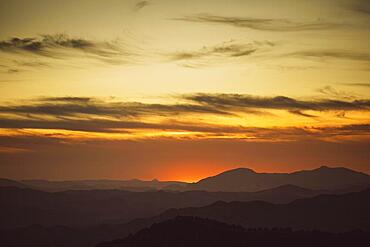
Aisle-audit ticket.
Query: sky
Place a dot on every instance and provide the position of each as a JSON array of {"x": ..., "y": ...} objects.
[{"x": 180, "y": 90}]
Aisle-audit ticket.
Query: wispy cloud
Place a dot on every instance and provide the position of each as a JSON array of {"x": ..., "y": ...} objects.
[
  {"x": 201, "y": 103},
  {"x": 13, "y": 150},
  {"x": 76, "y": 106},
  {"x": 261, "y": 24},
  {"x": 360, "y": 6},
  {"x": 357, "y": 84},
  {"x": 13, "y": 71},
  {"x": 334, "y": 54},
  {"x": 61, "y": 46},
  {"x": 196, "y": 130},
  {"x": 240, "y": 101},
  {"x": 142, "y": 4},
  {"x": 208, "y": 55},
  {"x": 332, "y": 92}
]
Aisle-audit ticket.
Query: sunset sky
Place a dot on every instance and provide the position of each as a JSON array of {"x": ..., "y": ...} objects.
[{"x": 180, "y": 90}]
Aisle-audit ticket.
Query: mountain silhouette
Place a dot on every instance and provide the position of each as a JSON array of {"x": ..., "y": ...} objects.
[
  {"x": 11, "y": 183},
  {"x": 332, "y": 213},
  {"x": 324, "y": 212},
  {"x": 107, "y": 184},
  {"x": 192, "y": 231},
  {"x": 236, "y": 180},
  {"x": 244, "y": 179},
  {"x": 24, "y": 207}
]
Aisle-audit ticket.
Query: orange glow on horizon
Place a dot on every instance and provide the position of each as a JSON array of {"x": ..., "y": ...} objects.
[{"x": 192, "y": 171}]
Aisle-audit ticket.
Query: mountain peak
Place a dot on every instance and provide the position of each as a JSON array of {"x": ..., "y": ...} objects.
[
  {"x": 239, "y": 170},
  {"x": 330, "y": 169},
  {"x": 324, "y": 167},
  {"x": 322, "y": 178}
]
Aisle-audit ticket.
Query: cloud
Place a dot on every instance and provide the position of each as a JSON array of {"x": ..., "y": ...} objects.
[
  {"x": 335, "y": 93},
  {"x": 212, "y": 54},
  {"x": 61, "y": 46},
  {"x": 62, "y": 108},
  {"x": 13, "y": 150},
  {"x": 360, "y": 6},
  {"x": 195, "y": 130},
  {"x": 231, "y": 50},
  {"x": 76, "y": 106},
  {"x": 300, "y": 113},
  {"x": 201, "y": 103},
  {"x": 357, "y": 84},
  {"x": 238, "y": 102},
  {"x": 13, "y": 71},
  {"x": 335, "y": 54},
  {"x": 119, "y": 126},
  {"x": 261, "y": 24},
  {"x": 98, "y": 115},
  {"x": 142, "y": 4},
  {"x": 30, "y": 64}
]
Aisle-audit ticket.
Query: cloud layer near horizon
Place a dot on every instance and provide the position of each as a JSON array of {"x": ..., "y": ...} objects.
[{"x": 202, "y": 115}]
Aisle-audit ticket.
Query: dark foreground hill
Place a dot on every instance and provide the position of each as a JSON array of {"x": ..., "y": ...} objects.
[
  {"x": 197, "y": 232},
  {"x": 244, "y": 179},
  {"x": 24, "y": 207}
]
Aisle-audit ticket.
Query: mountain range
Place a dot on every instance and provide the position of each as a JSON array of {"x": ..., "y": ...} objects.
[
  {"x": 244, "y": 179},
  {"x": 103, "y": 184},
  {"x": 324, "y": 212},
  {"x": 23, "y": 207},
  {"x": 84, "y": 213},
  {"x": 236, "y": 180},
  {"x": 334, "y": 213}
]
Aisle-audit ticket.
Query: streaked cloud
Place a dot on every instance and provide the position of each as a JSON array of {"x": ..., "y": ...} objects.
[
  {"x": 209, "y": 55},
  {"x": 192, "y": 117},
  {"x": 200, "y": 103},
  {"x": 334, "y": 54},
  {"x": 240, "y": 101},
  {"x": 12, "y": 150},
  {"x": 74, "y": 106},
  {"x": 360, "y": 6},
  {"x": 142, "y": 4},
  {"x": 61, "y": 46},
  {"x": 261, "y": 24},
  {"x": 357, "y": 84},
  {"x": 332, "y": 92}
]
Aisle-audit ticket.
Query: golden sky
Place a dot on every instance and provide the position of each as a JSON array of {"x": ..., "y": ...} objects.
[{"x": 174, "y": 89}]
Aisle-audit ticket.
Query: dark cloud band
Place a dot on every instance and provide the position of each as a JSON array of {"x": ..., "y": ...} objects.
[
  {"x": 62, "y": 46},
  {"x": 261, "y": 24},
  {"x": 238, "y": 101}
]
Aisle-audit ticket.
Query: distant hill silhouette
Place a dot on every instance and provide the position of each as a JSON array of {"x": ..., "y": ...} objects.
[
  {"x": 129, "y": 185},
  {"x": 11, "y": 183},
  {"x": 236, "y": 180},
  {"x": 23, "y": 207},
  {"x": 244, "y": 179},
  {"x": 197, "y": 232},
  {"x": 325, "y": 212}
]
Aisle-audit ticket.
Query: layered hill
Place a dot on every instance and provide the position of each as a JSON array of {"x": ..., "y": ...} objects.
[
  {"x": 236, "y": 180},
  {"x": 325, "y": 212},
  {"x": 244, "y": 179},
  {"x": 24, "y": 207},
  {"x": 334, "y": 213}
]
